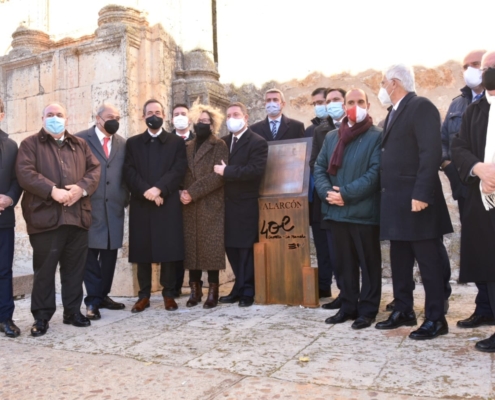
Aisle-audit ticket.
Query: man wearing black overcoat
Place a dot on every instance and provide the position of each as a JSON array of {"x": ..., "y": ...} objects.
[
  {"x": 474, "y": 160},
  {"x": 106, "y": 233},
  {"x": 243, "y": 175},
  {"x": 10, "y": 192},
  {"x": 276, "y": 126},
  {"x": 154, "y": 168},
  {"x": 414, "y": 215}
]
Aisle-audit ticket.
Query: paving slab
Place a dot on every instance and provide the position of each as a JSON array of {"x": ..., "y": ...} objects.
[{"x": 260, "y": 352}]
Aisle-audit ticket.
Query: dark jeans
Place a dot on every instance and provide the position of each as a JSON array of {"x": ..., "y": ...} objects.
[
  {"x": 429, "y": 254},
  {"x": 67, "y": 245},
  {"x": 6, "y": 258},
  {"x": 167, "y": 279},
  {"x": 213, "y": 276},
  {"x": 357, "y": 246},
  {"x": 98, "y": 275},
  {"x": 325, "y": 265},
  {"x": 242, "y": 262}
]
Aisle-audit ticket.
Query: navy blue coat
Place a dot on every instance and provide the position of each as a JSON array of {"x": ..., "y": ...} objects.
[{"x": 411, "y": 157}]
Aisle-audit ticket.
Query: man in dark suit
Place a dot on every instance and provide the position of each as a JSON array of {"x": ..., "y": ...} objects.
[
  {"x": 154, "y": 168},
  {"x": 473, "y": 153},
  {"x": 10, "y": 192},
  {"x": 247, "y": 162},
  {"x": 276, "y": 126},
  {"x": 181, "y": 122},
  {"x": 414, "y": 215},
  {"x": 106, "y": 233},
  {"x": 318, "y": 97},
  {"x": 334, "y": 104}
]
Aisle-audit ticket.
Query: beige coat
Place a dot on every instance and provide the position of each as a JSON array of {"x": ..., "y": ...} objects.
[{"x": 204, "y": 216}]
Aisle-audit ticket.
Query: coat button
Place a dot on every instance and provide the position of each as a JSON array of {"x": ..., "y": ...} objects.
[
  {"x": 383, "y": 148},
  {"x": 108, "y": 166},
  {"x": 383, "y": 189},
  {"x": 106, "y": 200},
  {"x": 108, "y": 183}
]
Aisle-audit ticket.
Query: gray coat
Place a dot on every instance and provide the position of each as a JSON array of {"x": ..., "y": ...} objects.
[{"x": 112, "y": 195}]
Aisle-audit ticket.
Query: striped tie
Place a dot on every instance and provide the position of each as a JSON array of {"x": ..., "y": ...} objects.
[{"x": 274, "y": 129}]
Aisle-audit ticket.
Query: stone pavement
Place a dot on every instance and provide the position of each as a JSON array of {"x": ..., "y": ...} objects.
[{"x": 234, "y": 353}]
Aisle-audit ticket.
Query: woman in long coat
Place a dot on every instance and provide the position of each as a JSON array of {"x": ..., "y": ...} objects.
[{"x": 203, "y": 204}]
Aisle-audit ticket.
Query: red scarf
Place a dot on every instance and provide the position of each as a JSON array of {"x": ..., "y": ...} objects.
[{"x": 346, "y": 135}]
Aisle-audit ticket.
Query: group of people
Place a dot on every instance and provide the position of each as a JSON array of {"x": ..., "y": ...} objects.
[{"x": 193, "y": 197}]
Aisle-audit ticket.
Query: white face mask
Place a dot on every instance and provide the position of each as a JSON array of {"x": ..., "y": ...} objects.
[
  {"x": 272, "y": 108},
  {"x": 384, "y": 97},
  {"x": 181, "y": 122},
  {"x": 234, "y": 125},
  {"x": 361, "y": 114},
  {"x": 472, "y": 77}
]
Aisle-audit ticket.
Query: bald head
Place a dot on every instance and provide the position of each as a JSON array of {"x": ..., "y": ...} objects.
[
  {"x": 488, "y": 60},
  {"x": 356, "y": 96},
  {"x": 54, "y": 109},
  {"x": 473, "y": 59}
]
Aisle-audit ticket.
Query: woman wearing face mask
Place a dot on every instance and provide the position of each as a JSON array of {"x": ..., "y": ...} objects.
[{"x": 203, "y": 204}]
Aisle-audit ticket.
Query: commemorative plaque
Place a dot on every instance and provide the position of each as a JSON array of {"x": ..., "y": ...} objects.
[{"x": 283, "y": 272}]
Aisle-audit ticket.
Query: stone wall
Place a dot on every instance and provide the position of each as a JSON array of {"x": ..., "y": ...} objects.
[
  {"x": 125, "y": 62},
  {"x": 440, "y": 85}
]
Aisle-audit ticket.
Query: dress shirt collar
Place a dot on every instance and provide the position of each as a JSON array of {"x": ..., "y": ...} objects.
[
  {"x": 155, "y": 135},
  {"x": 101, "y": 135}
]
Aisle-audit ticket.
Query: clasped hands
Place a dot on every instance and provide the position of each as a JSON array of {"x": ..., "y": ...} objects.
[
  {"x": 68, "y": 196},
  {"x": 153, "y": 194},
  {"x": 486, "y": 172},
  {"x": 334, "y": 197},
  {"x": 185, "y": 197},
  {"x": 5, "y": 201}
]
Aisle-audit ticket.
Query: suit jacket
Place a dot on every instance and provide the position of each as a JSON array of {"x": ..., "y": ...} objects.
[
  {"x": 478, "y": 232},
  {"x": 155, "y": 233},
  {"x": 288, "y": 129},
  {"x": 8, "y": 181},
  {"x": 111, "y": 196},
  {"x": 243, "y": 175},
  {"x": 410, "y": 159}
]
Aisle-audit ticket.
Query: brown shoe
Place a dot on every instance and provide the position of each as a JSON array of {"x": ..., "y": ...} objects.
[
  {"x": 170, "y": 304},
  {"x": 140, "y": 305},
  {"x": 196, "y": 294},
  {"x": 212, "y": 300}
]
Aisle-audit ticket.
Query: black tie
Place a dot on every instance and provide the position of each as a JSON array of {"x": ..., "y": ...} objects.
[
  {"x": 59, "y": 142},
  {"x": 234, "y": 143}
]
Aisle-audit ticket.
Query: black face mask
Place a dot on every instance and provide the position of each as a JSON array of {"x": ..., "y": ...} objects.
[
  {"x": 111, "y": 126},
  {"x": 154, "y": 122},
  {"x": 202, "y": 130},
  {"x": 488, "y": 79}
]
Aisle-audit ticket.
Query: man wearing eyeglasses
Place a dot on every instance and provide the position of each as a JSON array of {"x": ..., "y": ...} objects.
[{"x": 108, "y": 202}]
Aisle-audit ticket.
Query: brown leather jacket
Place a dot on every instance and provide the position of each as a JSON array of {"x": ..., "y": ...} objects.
[{"x": 41, "y": 165}]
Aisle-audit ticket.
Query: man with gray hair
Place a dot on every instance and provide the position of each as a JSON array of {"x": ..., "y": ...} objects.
[
  {"x": 58, "y": 173},
  {"x": 276, "y": 126},
  {"x": 414, "y": 215},
  {"x": 106, "y": 233}
]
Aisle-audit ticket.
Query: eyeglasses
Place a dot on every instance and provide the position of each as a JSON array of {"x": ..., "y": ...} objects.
[{"x": 205, "y": 120}]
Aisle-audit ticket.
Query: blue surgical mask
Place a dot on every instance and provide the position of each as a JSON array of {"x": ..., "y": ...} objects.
[
  {"x": 321, "y": 111},
  {"x": 272, "y": 108},
  {"x": 55, "y": 125},
  {"x": 335, "y": 109}
]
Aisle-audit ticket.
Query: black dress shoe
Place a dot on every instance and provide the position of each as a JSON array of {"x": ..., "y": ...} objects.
[
  {"x": 476, "y": 320},
  {"x": 9, "y": 328},
  {"x": 430, "y": 330},
  {"x": 230, "y": 299},
  {"x": 107, "y": 302},
  {"x": 333, "y": 305},
  {"x": 246, "y": 301},
  {"x": 340, "y": 317},
  {"x": 396, "y": 319},
  {"x": 76, "y": 319},
  {"x": 92, "y": 312},
  {"x": 390, "y": 306},
  {"x": 362, "y": 322},
  {"x": 39, "y": 327},
  {"x": 324, "y": 293},
  {"x": 486, "y": 345}
]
